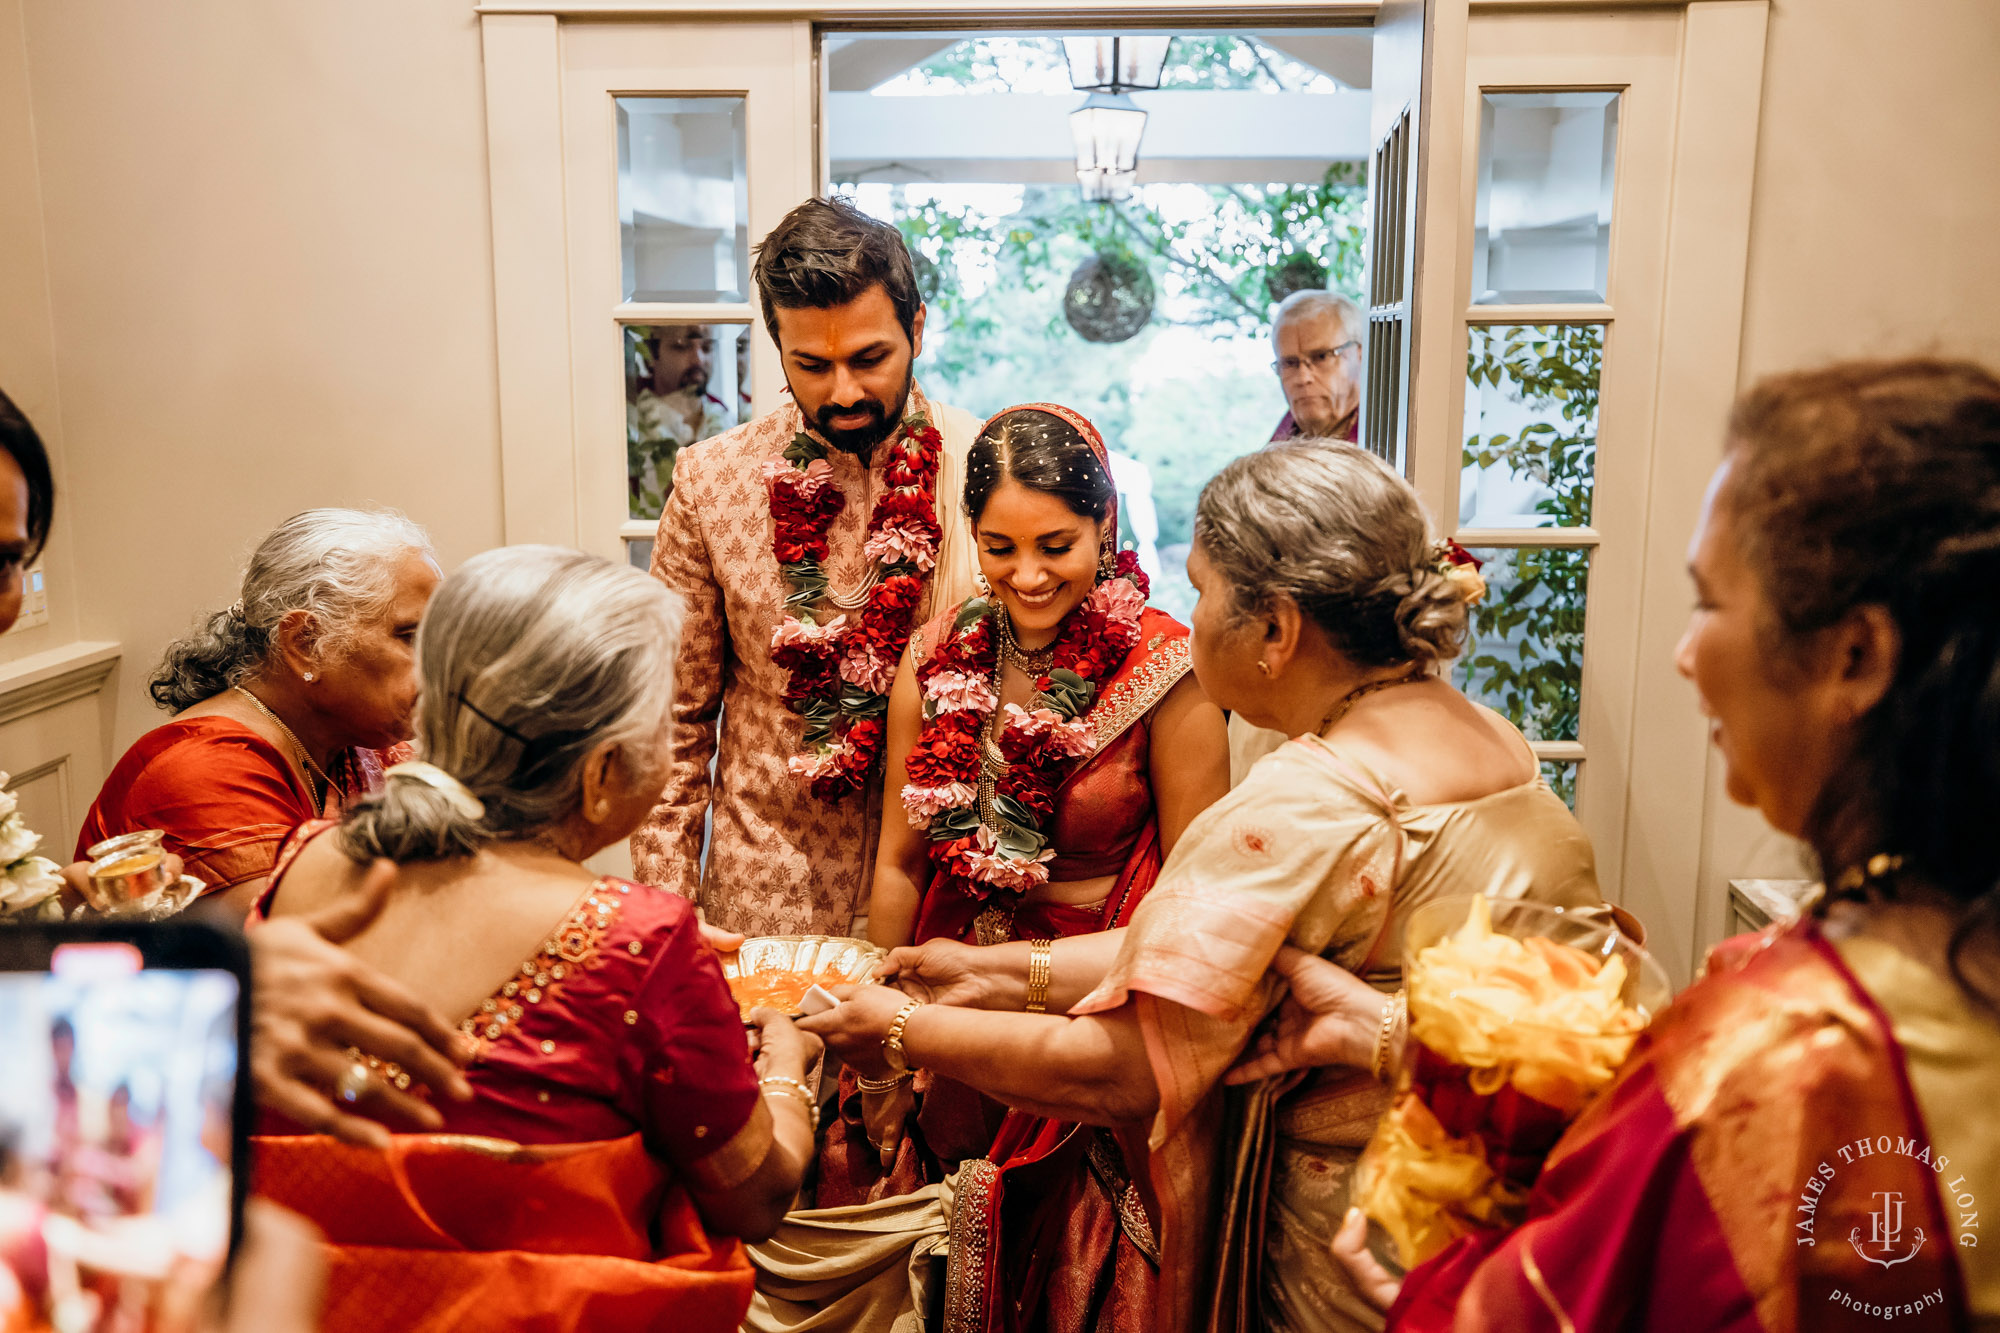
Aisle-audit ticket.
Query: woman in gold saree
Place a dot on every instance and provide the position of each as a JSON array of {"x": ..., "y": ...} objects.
[
  {"x": 1325, "y": 613},
  {"x": 1802, "y": 1139}
]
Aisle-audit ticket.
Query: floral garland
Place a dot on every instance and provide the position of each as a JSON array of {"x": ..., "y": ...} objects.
[
  {"x": 28, "y": 883},
  {"x": 842, "y": 667},
  {"x": 961, "y": 690}
]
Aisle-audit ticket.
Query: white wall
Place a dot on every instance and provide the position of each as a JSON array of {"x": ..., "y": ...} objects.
[{"x": 1875, "y": 227}]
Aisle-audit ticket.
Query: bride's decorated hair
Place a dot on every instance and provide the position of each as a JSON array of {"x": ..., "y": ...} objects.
[
  {"x": 1335, "y": 529},
  {"x": 529, "y": 658},
  {"x": 1042, "y": 452},
  {"x": 1878, "y": 483}
]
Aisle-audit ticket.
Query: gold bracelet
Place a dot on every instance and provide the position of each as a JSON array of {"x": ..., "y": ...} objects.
[
  {"x": 892, "y": 1044},
  {"x": 791, "y": 1087},
  {"x": 1391, "y": 1012},
  {"x": 889, "y": 1084},
  {"x": 1041, "y": 957}
]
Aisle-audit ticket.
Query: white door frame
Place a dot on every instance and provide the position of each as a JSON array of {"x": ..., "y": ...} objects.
[{"x": 1650, "y": 841}]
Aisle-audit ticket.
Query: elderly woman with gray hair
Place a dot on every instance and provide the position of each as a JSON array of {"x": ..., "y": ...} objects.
[
  {"x": 282, "y": 703},
  {"x": 618, "y": 1135},
  {"x": 1326, "y": 611}
]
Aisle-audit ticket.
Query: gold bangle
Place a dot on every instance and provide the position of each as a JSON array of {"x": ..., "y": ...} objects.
[
  {"x": 892, "y": 1044},
  {"x": 1391, "y": 1012},
  {"x": 889, "y": 1084},
  {"x": 791, "y": 1087},
  {"x": 1041, "y": 957}
]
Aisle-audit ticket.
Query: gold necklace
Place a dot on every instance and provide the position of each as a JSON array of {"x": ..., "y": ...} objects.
[
  {"x": 1356, "y": 695},
  {"x": 1034, "y": 663},
  {"x": 312, "y": 771}
]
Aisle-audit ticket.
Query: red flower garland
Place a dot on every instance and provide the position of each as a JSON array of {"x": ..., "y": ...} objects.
[
  {"x": 841, "y": 668},
  {"x": 1038, "y": 745}
]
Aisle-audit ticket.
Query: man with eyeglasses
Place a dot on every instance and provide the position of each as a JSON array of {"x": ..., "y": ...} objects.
[{"x": 1317, "y": 335}]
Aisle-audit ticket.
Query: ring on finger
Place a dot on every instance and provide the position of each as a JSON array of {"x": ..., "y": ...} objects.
[{"x": 353, "y": 1082}]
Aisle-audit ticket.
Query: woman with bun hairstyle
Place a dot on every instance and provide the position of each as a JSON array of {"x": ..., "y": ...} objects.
[
  {"x": 1326, "y": 611},
  {"x": 618, "y": 1136}
]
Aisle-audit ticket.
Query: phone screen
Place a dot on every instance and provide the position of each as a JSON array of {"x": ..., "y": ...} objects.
[{"x": 116, "y": 1139}]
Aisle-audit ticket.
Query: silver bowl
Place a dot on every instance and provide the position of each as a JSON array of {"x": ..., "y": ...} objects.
[{"x": 826, "y": 960}]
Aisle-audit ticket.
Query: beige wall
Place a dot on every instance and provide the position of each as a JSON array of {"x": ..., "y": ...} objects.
[
  {"x": 269, "y": 261},
  {"x": 1875, "y": 227}
]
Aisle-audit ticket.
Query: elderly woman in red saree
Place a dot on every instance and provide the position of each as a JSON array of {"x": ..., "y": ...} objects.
[
  {"x": 618, "y": 1137},
  {"x": 1048, "y": 747},
  {"x": 283, "y": 703},
  {"x": 1325, "y": 609},
  {"x": 1802, "y": 1139}
]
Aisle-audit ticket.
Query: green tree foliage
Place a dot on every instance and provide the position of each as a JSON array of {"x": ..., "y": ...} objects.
[{"x": 1528, "y": 655}]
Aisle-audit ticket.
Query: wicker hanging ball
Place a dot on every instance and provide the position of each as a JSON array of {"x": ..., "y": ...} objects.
[
  {"x": 1296, "y": 272},
  {"x": 1109, "y": 298}
]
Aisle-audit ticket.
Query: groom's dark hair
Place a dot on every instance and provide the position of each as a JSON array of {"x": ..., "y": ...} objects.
[{"x": 827, "y": 252}]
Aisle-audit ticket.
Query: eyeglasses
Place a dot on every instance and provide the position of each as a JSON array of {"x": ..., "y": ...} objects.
[{"x": 1318, "y": 359}]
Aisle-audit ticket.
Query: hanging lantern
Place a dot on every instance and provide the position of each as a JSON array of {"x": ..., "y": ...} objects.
[
  {"x": 1103, "y": 187},
  {"x": 1115, "y": 64},
  {"x": 1107, "y": 129}
]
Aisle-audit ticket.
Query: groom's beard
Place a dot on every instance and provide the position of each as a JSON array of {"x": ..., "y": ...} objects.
[{"x": 861, "y": 440}]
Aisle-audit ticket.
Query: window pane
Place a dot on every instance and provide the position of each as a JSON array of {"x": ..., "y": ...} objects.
[
  {"x": 639, "y": 550},
  {"x": 683, "y": 383},
  {"x": 1542, "y": 229},
  {"x": 683, "y": 199},
  {"x": 1560, "y": 774},
  {"x": 1526, "y": 656},
  {"x": 1530, "y": 456}
]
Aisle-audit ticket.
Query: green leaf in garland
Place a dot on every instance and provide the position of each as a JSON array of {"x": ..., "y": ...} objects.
[
  {"x": 1069, "y": 693},
  {"x": 962, "y": 822},
  {"x": 803, "y": 449},
  {"x": 862, "y": 703},
  {"x": 1024, "y": 843},
  {"x": 974, "y": 609},
  {"x": 1013, "y": 811}
]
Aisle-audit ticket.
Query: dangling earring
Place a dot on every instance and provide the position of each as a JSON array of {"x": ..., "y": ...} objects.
[
  {"x": 985, "y": 588},
  {"x": 1106, "y": 566}
]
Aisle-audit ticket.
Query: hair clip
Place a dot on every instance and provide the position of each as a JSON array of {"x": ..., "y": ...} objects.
[{"x": 456, "y": 793}]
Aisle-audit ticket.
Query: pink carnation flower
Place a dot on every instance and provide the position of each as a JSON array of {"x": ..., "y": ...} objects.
[
  {"x": 814, "y": 766},
  {"x": 896, "y": 542},
  {"x": 795, "y": 632},
  {"x": 924, "y": 804},
  {"x": 1118, "y": 600},
  {"x": 807, "y": 485},
  {"x": 956, "y": 691},
  {"x": 1069, "y": 737},
  {"x": 1017, "y": 874},
  {"x": 871, "y": 672}
]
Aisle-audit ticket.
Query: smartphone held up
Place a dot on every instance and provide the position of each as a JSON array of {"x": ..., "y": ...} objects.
[{"x": 122, "y": 1121}]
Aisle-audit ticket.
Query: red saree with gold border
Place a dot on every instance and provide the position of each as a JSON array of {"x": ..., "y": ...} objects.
[
  {"x": 1761, "y": 1163},
  {"x": 447, "y": 1231},
  {"x": 1048, "y": 1231}
]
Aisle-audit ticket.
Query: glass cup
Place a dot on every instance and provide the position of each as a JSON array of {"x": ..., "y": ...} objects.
[
  {"x": 128, "y": 873},
  {"x": 1515, "y": 1023}
]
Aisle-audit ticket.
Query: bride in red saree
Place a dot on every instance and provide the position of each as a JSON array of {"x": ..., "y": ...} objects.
[{"x": 1052, "y": 746}]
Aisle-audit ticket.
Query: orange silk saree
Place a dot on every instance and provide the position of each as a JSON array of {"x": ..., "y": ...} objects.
[{"x": 450, "y": 1232}]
